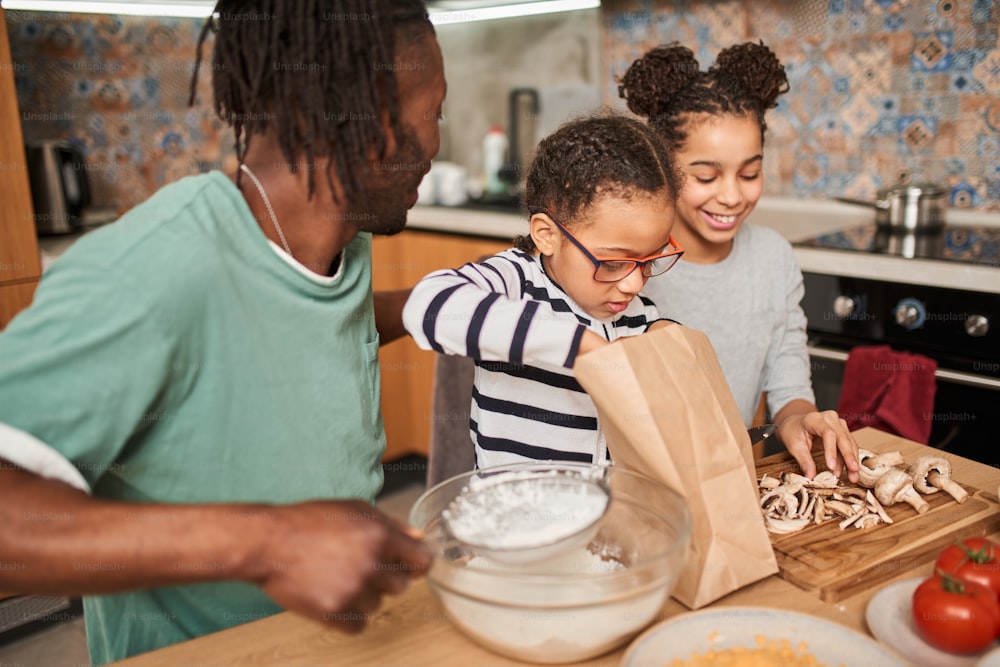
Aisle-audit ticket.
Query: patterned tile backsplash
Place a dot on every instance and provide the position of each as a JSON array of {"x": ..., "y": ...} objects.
[
  {"x": 117, "y": 87},
  {"x": 882, "y": 91}
]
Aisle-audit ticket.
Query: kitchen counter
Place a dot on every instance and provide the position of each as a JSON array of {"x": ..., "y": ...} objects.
[
  {"x": 410, "y": 629},
  {"x": 795, "y": 219},
  {"x": 468, "y": 221}
]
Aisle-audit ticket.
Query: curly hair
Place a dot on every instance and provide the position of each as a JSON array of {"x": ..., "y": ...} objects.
[
  {"x": 667, "y": 87},
  {"x": 294, "y": 67},
  {"x": 606, "y": 154}
]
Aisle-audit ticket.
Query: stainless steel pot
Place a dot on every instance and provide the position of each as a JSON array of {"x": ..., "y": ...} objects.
[{"x": 909, "y": 209}]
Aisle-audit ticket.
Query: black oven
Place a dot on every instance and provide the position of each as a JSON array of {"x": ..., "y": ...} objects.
[{"x": 957, "y": 327}]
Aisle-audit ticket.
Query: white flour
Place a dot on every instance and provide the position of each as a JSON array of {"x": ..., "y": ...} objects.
[{"x": 519, "y": 510}]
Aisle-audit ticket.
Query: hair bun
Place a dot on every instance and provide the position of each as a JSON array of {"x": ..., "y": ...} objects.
[
  {"x": 652, "y": 80},
  {"x": 757, "y": 67}
]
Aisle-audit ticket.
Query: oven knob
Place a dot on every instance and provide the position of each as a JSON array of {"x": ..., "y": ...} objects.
[
  {"x": 910, "y": 314},
  {"x": 843, "y": 306},
  {"x": 977, "y": 325}
]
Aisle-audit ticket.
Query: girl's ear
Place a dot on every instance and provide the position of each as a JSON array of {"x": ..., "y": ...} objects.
[{"x": 544, "y": 233}]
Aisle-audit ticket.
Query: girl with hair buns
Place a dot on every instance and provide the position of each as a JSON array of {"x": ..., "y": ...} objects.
[
  {"x": 737, "y": 282},
  {"x": 601, "y": 193}
]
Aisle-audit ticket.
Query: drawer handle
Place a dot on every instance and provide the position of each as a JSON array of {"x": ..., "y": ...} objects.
[{"x": 943, "y": 374}]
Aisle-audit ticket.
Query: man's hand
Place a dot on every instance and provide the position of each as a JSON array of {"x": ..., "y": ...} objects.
[{"x": 333, "y": 561}]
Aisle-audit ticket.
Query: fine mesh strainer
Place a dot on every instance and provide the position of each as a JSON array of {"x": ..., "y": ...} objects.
[{"x": 522, "y": 517}]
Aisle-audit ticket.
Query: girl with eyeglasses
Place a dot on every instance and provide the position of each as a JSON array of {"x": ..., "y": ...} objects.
[
  {"x": 601, "y": 196},
  {"x": 738, "y": 282}
]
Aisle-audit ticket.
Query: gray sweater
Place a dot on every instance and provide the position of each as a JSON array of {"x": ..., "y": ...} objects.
[{"x": 748, "y": 306}]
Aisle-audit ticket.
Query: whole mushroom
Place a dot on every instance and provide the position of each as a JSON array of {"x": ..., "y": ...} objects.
[
  {"x": 873, "y": 466},
  {"x": 932, "y": 474},
  {"x": 895, "y": 485}
]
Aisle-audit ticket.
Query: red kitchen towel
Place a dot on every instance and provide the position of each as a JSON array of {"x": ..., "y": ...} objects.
[{"x": 889, "y": 390}]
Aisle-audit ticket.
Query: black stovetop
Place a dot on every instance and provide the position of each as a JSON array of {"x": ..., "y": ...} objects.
[{"x": 970, "y": 245}]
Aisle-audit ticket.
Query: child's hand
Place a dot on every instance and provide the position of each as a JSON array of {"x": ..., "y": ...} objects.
[{"x": 590, "y": 341}]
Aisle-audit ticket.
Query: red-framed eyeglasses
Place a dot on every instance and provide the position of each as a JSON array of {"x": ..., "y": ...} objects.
[{"x": 608, "y": 270}]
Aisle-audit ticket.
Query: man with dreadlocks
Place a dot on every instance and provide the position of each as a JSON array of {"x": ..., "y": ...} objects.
[{"x": 193, "y": 378}]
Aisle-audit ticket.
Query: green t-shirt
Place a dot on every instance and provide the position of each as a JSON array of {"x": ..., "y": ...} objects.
[{"x": 174, "y": 357}]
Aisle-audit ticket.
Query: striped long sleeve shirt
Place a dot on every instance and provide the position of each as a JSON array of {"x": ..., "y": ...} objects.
[{"x": 523, "y": 331}]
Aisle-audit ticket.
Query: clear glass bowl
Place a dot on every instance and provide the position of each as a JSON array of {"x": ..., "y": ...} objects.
[{"x": 575, "y": 606}]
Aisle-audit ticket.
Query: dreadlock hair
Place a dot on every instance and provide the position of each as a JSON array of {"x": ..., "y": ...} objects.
[
  {"x": 666, "y": 86},
  {"x": 316, "y": 74},
  {"x": 607, "y": 154}
]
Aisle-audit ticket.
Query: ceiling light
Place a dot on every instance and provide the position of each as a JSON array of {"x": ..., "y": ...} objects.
[
  {"x": 485, "y": 11},
  {"x": 174, "y": 8},
  {"x": 442, "y": 12}
]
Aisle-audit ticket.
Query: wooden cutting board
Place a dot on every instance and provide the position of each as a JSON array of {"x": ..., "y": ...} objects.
[{"x": 836, "y": 563}]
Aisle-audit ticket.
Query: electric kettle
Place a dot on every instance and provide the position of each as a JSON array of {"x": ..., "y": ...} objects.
[{"x": 60, "y": 190}]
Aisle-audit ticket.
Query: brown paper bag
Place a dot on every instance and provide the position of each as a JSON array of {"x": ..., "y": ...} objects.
[{"x": 667, "y": 412}]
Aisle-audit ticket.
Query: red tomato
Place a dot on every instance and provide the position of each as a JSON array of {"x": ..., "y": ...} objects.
[
  {"x": 954, "y": 615},
  {"x": 973, "y": 559}
]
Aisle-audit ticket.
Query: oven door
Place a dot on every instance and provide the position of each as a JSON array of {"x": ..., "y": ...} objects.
[{"x": 966, "y": 405}]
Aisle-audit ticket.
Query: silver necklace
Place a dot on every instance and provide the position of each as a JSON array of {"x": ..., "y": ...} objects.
[{"x": 267, "y": 202}]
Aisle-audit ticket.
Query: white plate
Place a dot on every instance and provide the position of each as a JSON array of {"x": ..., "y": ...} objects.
[
  {"x": 729, "y": 627},
  {"x": 991, "y": 659},
  {"x": 890, "y": 619}
]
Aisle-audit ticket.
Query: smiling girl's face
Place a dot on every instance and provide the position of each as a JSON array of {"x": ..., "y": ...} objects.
[{"x": 722, "y": 162}]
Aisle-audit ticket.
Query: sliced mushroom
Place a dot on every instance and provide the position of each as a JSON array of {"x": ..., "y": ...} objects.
[
  {"x": 791, "y": 504},
  {"x": 783, "y": 526},
  {"x": 825, "y": 480},
  {"x": 768, "y": 498},
  {"x": 840, "y": 508},
  {"x": 877, "y": 506},
  {"x": 807, "y": 513},
  {"x": 933, "y": 473},
  {"x": 894, "y": 486},
  {"x": 769, "y": 482},
  {"x": 819, "y": 512},
  {"x": 795, "y": 478},
  {"x": 851, "y": 519},
  {"x": 854, "y": 492}
]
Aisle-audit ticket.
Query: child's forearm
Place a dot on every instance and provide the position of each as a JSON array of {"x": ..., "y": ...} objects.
[
  {"x": 590, "y": 342},
  {"x": 452, "y": 315}
]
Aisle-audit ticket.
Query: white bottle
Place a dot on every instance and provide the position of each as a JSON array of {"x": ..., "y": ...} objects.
[{"x": 494, "y": 154}]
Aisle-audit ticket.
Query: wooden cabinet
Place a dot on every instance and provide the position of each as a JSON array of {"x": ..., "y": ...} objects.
[
  {"x": 407, "y": 371},
  {"x": 14, "y": 298},
  {"x": 20, "y": 266}
]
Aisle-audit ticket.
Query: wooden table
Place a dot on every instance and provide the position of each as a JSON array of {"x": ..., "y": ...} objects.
[{"x": 411, "y": 629}]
